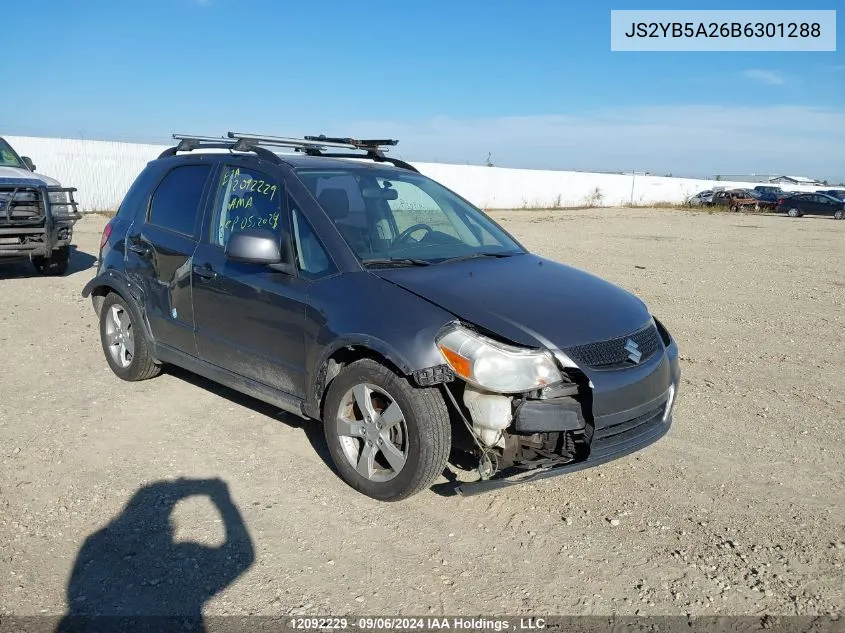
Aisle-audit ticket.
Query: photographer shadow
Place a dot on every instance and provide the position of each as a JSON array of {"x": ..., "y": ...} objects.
[{"x": 133, "y": 576}]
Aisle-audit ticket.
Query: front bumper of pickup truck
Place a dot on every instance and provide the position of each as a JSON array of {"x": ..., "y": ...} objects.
[{"x": 32, "y": 225}]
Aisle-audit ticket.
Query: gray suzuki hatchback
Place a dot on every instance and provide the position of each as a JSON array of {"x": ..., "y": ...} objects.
[{"x": 344, "y": 286}]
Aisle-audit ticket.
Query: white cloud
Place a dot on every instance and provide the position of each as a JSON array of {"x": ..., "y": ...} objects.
[
  {"x": 684, "y": 140},
  {"x": 768, "y": 77}
]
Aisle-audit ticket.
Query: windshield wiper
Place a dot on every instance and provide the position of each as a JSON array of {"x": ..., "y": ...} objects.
[
  {"x": 393, "y": 261},
  {"x": 462, "y": 258}
]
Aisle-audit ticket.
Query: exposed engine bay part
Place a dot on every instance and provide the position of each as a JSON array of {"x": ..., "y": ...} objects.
[
  {"x": 547, "y": 416},
  {"x": 491, "y": 414},
  {"x": 522, "y": 433}
]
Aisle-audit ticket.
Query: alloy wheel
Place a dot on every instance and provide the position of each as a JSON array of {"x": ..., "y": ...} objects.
[
  {"x": 119, "y": 336},
  {"x": 373, "y": 433}
]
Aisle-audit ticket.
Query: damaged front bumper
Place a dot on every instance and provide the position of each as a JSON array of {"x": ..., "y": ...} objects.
[{"x": 615, "y": 413}]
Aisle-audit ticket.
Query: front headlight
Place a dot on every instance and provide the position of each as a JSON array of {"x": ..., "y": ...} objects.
[
  {"x": 60, "y": 202},
  {"x": 59, "y": 197},
  {"x": 495, "y": 366}
]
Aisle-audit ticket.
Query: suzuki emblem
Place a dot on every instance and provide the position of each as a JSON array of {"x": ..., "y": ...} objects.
[{"x": 634, "y": 353}]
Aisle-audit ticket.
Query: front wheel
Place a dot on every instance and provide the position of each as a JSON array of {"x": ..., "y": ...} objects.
[{"x": 388, "y": 439}]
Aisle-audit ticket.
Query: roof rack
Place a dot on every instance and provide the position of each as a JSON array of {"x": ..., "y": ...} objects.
[
  {"x": 310, "y": 145},
  {"x": 316, "y": 146}
]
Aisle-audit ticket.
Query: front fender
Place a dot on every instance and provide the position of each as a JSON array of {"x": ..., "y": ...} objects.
[{"x": 360, "y": 309}]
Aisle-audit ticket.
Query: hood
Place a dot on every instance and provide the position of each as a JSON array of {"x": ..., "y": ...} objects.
[
  {"x": 527, "y": 299},
  {"x": 17, "y": 173}
]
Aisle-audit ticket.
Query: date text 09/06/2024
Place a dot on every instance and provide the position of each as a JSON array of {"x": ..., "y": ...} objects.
[{"x": 416, "y": 623}]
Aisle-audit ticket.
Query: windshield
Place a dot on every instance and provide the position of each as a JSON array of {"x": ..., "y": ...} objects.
[
  {"x": 8, "y": 157},
  {"x": 387, "y": 215}
]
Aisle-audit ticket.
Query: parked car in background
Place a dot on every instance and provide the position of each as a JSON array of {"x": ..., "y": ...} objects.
[
  {"x": 702, "y": 198},
  {"x": 37, "y": 215},
  {"x": 800, "y": 204},
  {"x": 735, "y": 199},
  {"x": 370, "y": 297},
  {"x": 836, "y": 193},
  {"x": 767, "y": 196}
]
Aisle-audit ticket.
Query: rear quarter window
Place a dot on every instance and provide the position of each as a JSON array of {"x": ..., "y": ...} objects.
[
  {"x": 176, "y": 202},
  {"x": 137, "y": 196}
]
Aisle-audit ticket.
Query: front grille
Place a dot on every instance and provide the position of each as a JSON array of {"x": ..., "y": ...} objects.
[
  {"x": 613, "y": 438},
  {"x": 21, "y": 206},
  {"x": 612, "y": 354}
]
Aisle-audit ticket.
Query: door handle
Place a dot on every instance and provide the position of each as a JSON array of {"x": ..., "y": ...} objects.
[{"x": 206, "y": 272}]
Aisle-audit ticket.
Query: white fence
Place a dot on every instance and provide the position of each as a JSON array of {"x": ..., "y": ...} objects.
[{"x": 102, "y": 171}]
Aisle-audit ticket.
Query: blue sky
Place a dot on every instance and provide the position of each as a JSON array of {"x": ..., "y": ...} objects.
[{"x": 533, "y": 82}]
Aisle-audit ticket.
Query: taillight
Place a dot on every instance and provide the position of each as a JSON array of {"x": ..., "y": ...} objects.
[{"x": 106, "y": 235}]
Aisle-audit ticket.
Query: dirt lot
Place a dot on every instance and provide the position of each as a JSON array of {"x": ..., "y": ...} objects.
[{"x": 739, "y": 510}]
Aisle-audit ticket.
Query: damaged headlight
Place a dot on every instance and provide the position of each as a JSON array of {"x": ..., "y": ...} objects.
[{"x": 495, "y": 366}]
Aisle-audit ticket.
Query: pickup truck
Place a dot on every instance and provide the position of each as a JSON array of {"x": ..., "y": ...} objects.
[{"x": 37, "y": 215}]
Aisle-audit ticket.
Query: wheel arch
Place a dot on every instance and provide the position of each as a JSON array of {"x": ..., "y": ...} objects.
[
  {"x": 342, "y": 353},
  {"x": 112, "y": 282}
]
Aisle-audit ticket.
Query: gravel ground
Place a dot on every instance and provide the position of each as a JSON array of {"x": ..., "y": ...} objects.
[{"x": 738, "y": 510}]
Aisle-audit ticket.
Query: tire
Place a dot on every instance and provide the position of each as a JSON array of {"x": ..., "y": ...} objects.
[
  {"x": 839, "y": 215},
  {"x": 56, "y": 265},
  {"x": 794, "y": 213},
  {"x": 419, "y": 431},
  {"x": 121, "y": 321}
]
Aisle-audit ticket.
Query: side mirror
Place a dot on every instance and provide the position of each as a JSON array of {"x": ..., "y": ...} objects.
[
  {"x": 28, "y": 162},
  {"x": 255, "y": 246}
]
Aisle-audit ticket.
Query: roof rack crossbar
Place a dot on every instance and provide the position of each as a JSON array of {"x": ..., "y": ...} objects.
[
  {"x": 358, "y": 144},
  {"x": 283, "y": 141},
  {"x": 189, "y": 143}
]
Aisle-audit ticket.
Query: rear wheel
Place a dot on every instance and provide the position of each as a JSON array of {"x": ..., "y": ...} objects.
[
  {"x": 388, "y": 439},
  {"x": 124, "y": 342},
  {"x": 839, "y": 215},
  {"x": 794, "y": 213},
  {"x": 54, "y": 265}
]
